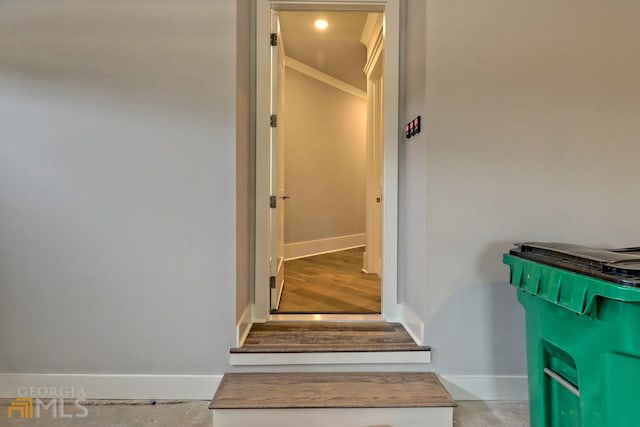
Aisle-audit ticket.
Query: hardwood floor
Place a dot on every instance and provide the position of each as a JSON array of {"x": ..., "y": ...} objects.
[
  {"x": 297, "y": 337},
  {"x": 331, "y": 390},
  {"x": 330, "y": 284}
]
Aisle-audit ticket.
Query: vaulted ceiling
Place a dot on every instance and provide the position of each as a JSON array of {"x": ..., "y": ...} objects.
[{"x": 336, "y": 50}]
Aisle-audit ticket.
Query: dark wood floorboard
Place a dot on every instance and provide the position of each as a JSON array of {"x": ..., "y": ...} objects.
[
  {"x": 299, "y": 337},
  {"x": 330, "y": 283},
  {"x": 331, "y": 390}
]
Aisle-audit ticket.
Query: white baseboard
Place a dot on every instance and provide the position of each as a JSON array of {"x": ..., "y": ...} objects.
[
  {"x": 243, "y": 327},
  {"x": 486, "y": 387},
  {"x": 172, "y": 387},
  {"x": 202, "y": 387},
  {"x": 322, "y": 246},
  {"x": 412, "y": 323}
]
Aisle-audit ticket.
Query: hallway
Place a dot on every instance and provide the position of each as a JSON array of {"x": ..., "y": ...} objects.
[{"x": 330, "y": 283}]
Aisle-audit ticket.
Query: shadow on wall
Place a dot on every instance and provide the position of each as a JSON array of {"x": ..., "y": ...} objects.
[
  {"x": 480, "y": 329},
  {"x": 508, "y": 332},
  {"x": 490, "y": 267}
]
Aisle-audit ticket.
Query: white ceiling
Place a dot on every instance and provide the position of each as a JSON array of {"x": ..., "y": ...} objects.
[{"x": 336, "y": 51}]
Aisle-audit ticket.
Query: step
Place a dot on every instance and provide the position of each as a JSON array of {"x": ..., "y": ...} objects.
[
  {"x": 345, "y": 399},
  {"x": 301, "y": 343}
]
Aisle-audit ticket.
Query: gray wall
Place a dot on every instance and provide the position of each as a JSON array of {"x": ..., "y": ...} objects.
[
  {"x": 531, "y": 133},
  {"x": 412, "y": 181},
  {"x": 117, "y": 195},
  {"x": 325, "y": 160},
  {"x": 117, "y": 172},
  {"x": 245, "y": 154}
]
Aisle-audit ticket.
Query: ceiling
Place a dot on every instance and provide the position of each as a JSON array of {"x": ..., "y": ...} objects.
[{"x": 336, "y": 51}]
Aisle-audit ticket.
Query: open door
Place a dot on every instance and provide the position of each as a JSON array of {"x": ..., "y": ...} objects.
[
  {"x": 268, "y": 253},
  {"x": 374, "y": 69},
  {"x": 276, "y": 175}
]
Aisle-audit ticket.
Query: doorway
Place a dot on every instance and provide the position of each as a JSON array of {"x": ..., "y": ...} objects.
[
  {"x": 328, "y": 160},
  {"x": 380, "y": 180}
]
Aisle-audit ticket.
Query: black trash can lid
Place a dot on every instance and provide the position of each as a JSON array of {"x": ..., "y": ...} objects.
[{"x": 620, "y": 266}]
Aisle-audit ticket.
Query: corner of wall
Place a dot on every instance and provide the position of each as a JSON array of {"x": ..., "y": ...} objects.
[{"x": 412, "y": 323}]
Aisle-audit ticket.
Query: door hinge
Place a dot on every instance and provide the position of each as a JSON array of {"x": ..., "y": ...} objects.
[
  {"x": 273, "y": 202},
  {"x": 273, "y": 121},
  {"x": 274, "y": 39},
  {"x": 272, "y": 282}
]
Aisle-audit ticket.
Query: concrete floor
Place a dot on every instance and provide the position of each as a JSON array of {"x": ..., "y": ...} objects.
[
  {"x": 197, "y": 414},
  {"x": 495, "y": 414}
]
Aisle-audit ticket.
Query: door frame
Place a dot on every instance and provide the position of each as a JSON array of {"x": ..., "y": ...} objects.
[{"x": 391, "y": 311}]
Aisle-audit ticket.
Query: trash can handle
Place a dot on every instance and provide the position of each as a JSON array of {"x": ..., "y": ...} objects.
[
  {"x": 624, "y": 250},
  {"x": 562, "y": 381}
]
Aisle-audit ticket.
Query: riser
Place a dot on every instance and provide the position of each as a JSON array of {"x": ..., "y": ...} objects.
[
  {"x": 330, "y": 358},
  {"x": 399, "y": 367},
  {"x": 334, "y": 417}
]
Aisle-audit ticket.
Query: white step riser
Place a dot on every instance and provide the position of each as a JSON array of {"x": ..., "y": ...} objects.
[
  {"x": 330, "y": 358},
  {"x": 334, "y": 417}
]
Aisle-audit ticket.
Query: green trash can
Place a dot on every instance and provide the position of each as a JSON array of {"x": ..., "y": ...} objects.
[{"x": 582, "y": 308}]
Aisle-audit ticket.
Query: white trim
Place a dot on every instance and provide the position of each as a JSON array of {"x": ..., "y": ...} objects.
[
  {"x": 390, "y": 169},
  {"x": 486, "y": 387},
  {"x": 375, "y": 44},
  {"x": 391, "y": 9},
  {"x": 188, "y": 387},
  {"x": 322, "y": 246},
  {"x": 346, "y": 5},
  {"x": 325, "y": 318},
  {"x": 330, "y": 358},
  {"x": 370, "y": 25},
  {"x": 280, "y": 277},
  {"x": 257, "y": 313},
  {"x": 377, "y": 47},
  {"x": 412, "y": 324},
  {"x": 262, "y": 292},
  {"x": 335, "y": 417},
  {"x": 324, "y": 78},
  {"x": 243, "y": 327}
]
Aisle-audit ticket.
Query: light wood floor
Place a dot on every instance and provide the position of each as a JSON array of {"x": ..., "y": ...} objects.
[
  {"x": 297, "y": 337},
  {"x": 330, "y": 390},
  {"x": 330, "y": 284}
]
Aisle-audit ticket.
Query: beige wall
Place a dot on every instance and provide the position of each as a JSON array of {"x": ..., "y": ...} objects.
[
  {"x": 325, "y": 132},
  {"x": 531, "y": 134}
]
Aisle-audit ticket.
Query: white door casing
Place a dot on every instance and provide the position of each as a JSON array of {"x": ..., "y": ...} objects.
[
  {"x": 391, "y": 134},
  {"x": 276, "y": 175}
]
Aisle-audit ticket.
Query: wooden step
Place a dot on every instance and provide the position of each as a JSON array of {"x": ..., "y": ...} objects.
[
  {"x": 339, "y": 342},
  {"x": 330, "y": 390},
  {"x": 332, "y": 399},
  {"x": 297, "y": 337}
]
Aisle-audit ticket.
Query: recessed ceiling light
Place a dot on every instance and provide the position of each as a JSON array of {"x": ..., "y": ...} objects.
[{"x": 321, "y": 24}]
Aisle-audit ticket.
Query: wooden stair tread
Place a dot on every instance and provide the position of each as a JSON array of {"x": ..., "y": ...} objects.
[
  {"x": 301, "y": 337},
  {"x": 331, "y": 390}
]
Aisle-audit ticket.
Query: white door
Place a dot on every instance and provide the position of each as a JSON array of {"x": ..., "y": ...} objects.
[
  {"x": 276, "y": 175},
  {"x": 372, "y": 262}
]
